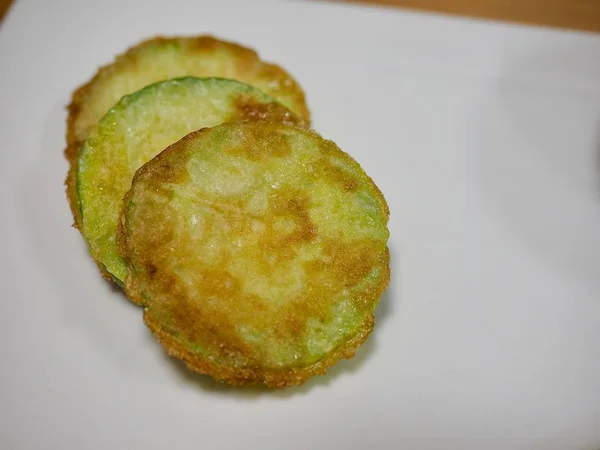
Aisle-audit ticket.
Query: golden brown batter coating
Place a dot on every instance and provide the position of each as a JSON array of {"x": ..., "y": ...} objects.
[{"x": 258, "y": 250}]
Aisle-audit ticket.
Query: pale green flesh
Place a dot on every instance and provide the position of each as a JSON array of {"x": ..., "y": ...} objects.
[{"x": 133, "y": 132}]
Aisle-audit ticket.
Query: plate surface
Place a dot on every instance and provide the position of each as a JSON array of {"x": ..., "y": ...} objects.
[{"x": 485, "y": 139}]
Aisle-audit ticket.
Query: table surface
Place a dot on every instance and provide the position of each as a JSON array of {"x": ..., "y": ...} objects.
[{"x": 574, "y": 14}]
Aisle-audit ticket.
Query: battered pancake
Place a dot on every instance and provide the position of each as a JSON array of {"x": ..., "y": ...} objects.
[{"x": 258, "y": 250}]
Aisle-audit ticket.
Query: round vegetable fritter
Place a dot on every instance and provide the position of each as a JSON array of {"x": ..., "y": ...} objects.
[
  {"x": 258, "y": 251},
  {"x": 160, "y": 59},
  {"x": 137, "y": 129}
]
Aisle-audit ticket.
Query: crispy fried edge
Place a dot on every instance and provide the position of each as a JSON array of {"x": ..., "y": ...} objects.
[
  {"x": 78, "y": 98},
  {"x": 244, "y": 377},
  {"x": 250, "y": 376}
]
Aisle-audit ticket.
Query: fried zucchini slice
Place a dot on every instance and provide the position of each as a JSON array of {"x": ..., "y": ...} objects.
[
  {"x": 137, "y": 129},
  {"x": 258, "y": 250},
  {"x": 163, "y": 58}
]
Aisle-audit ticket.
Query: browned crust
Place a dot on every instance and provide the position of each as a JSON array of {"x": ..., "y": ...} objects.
[
  {"x": 78, "y": 98},
  {"x": 248, "y": 108},
  {"x": 271, "y": 378}
]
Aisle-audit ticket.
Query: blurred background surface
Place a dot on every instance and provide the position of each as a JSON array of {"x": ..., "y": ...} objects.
[{"x": 574, "y": 14}]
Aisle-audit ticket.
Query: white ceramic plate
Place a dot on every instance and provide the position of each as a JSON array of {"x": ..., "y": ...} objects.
[{"x": 485, "y": 139}]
